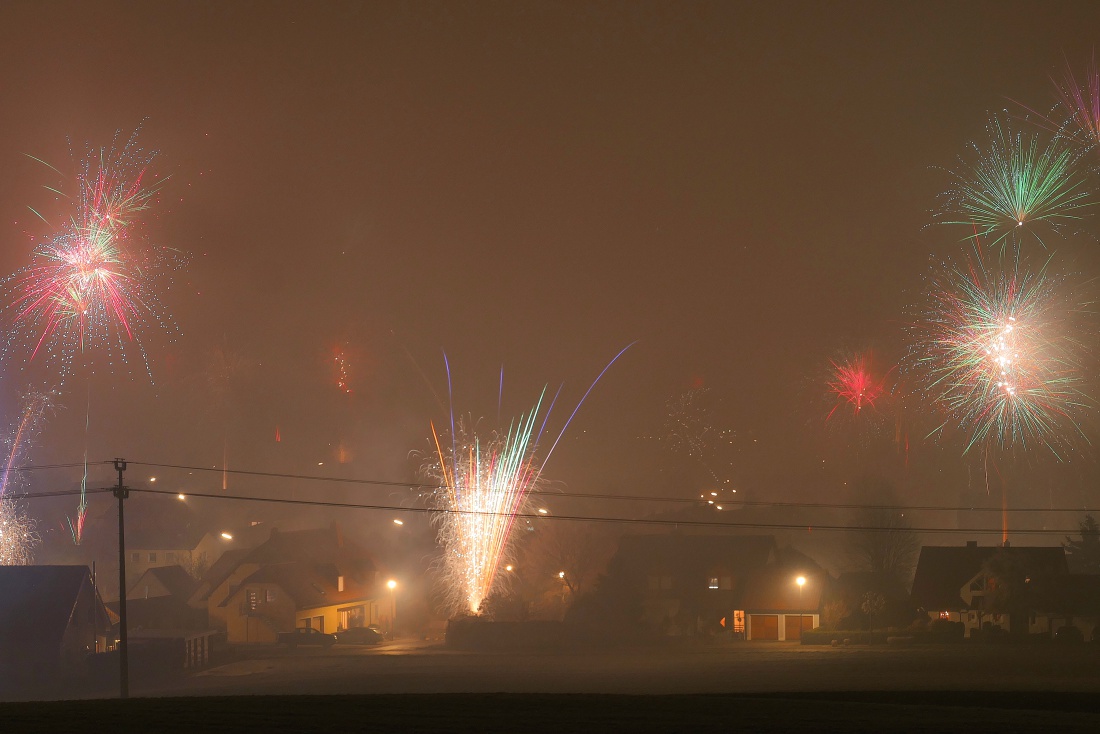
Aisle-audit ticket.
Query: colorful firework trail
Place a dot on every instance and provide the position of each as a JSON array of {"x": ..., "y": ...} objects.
[
  {"x": 1015, "y": 184},
  {"x": 91, "y": 285},
  {"x": 1000, "y": 350},
  {"x": 854, "y": 385},
  {"x": 689, "y": 430},
  {"x": 1080, "y": 104},
  {"x": 17, "y": 531},
  {"x": 484, "y": 485}
]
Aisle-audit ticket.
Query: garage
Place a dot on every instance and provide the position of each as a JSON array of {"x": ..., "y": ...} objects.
[
  {"x": 763, "y": 626},
  {"x": 791, "y": 625}
]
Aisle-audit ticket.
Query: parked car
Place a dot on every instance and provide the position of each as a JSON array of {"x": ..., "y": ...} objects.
[
  {"x": 307, "y": 636},
  {"x": 360, "y": 636}
]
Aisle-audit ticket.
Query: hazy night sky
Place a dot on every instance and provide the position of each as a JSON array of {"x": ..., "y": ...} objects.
[{"x": 739, "y": 187}]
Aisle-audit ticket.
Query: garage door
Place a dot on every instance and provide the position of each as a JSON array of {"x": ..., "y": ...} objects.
[
  {"x": 764, "y": 626},
  {"x": 791, "y": 625}
]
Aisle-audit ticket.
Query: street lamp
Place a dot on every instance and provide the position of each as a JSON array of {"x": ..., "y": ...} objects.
[
  {"x": 801, "y": 581},
  {"x": 391, "y": 585}
]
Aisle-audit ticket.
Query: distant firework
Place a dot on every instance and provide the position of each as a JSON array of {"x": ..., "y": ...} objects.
[
  {"x": 342, "y": 370},
  {"x": 689, "y": 430},
  {"x": 854, "y": 385},
  {"x": 1080, "y": 103},
  {"x": 484, "y": 481},
  {"x": 91, "y": 284},
  {"x": 1000, "y": 350},
  {"x": 1014, "y": 184}
]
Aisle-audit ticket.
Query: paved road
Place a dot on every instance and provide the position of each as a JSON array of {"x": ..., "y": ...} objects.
[{"x": 746, "y": 668}]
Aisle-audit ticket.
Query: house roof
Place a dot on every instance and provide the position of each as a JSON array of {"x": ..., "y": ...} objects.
[
  {"x": 1072, "y": 594},
  {"x": 175, "y": 580},
  {"x": 775, "y": 590},
  {"x": 309, "y": 585},
  {"x": 943, "y": 570},
  {"x": 36, "y": 602}
]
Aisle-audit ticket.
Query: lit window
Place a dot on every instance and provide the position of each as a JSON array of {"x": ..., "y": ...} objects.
[
  {"x": 269, "y": 595},
  {"x": 713, "y": 583},
  {"x": 945, "y": 615},
  {"x": 739, "y": 620},
  {"x": 253, "y": 599},
  {"x": 339, "y": 583}
]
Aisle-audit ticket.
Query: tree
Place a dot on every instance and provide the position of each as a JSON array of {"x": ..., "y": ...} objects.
[
  {"x": 884, "y": 542},
  {"x": 1084, "y": 553}
]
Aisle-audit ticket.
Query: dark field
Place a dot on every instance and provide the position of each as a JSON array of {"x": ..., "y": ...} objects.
[{"x": 750, "y": 687}]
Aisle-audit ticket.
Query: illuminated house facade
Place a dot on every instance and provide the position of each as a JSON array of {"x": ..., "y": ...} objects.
[
  {"x": 306, "y": 578},
  {"x": 743, "y": 586},
  {"x": 987, "y": 586}
]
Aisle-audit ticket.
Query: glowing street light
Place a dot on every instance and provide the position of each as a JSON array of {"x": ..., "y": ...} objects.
[
  {"x": 391, "y": 585},
  {"x": 396, "y": 521},
  {"x": 227, "y": 536},
  {"x": 801, "y": 581},
  {"x": 181, "y": 496}
]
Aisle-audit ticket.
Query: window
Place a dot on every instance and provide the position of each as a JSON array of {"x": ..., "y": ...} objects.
[
  {"x": 252, "y": 599},
  {"x": 945, "y": 615},
  {"x": 739, "y": 620},
  {"x": 713, "y": 582},
  {"x": 269, "y": 595},
  {"x": 351, "y": 617},
  {"x": 339, "y": 583},
  {"x": 152, "y": 557}
]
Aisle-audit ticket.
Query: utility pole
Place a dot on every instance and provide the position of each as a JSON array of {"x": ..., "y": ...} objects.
[{"x": 122, "y": 492}]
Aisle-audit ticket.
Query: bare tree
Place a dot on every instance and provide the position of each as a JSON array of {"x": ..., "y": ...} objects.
[{"x": 885, "y": 544}]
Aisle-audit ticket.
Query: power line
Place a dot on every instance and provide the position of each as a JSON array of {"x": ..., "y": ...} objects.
[
  {"x": 617, "y": 497},
  {"x": 600, "y": 519},
  {"x": 43, "y": 495}
]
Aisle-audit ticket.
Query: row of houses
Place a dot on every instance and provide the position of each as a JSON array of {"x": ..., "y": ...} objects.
[{"x": 52, "y": 617}]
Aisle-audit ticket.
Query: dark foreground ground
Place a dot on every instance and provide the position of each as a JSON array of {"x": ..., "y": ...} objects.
[
  {"x": 748, "y": 687},
  {"x": 871, "y": 712}
]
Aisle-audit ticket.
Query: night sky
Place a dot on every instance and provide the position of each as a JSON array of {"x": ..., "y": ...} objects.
[{"x": 741, "y": 188}]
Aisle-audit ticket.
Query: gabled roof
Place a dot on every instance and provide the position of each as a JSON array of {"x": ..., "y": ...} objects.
[
  {"x": 174, "y": 579},
  {"x": 943, "y": 570},
  {"x": 36, "y": 602},
  {"x": 309, "y": 585}
]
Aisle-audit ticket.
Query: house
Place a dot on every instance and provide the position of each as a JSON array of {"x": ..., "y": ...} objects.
[
  {"x": 303, "y": 578},
  {"x": 706, "y": 584},
  {"x": 51, "y": 621},
  {"x": 984, "y": 585},
  {"x": 158, "y": 600}
]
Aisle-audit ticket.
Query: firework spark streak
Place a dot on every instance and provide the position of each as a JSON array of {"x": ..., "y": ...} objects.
[
  {"x": 1014, "y": 184},
  {"x": 1081, "y": 105},
  {"x": 1000, "y": 350},
  {"x": 854, "y": 385},
  {"x": 484, "y": 484},
  {"x": 17, "y": 531},
  {"x": 89, "y": 284}
]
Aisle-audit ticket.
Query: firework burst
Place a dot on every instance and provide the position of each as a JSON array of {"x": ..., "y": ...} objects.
[
  {"x": 854, "y": 385},
  {"x": 1080, "y": 104},
  {"x": 1000, "y": 350},
  {"x": 18, "y": 536},
  {"x": 91, "y": 283},
  {"x": 1015, "y": 184},
  {"x": 484, "y": 483}
]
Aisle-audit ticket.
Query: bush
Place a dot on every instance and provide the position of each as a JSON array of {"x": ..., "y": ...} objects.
[{"x": 944, "y": 630}]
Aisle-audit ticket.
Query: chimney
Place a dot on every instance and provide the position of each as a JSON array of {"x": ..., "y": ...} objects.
[
  {"x": 971, "y": 544},
  {"x": 1006, "y": 544}
]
